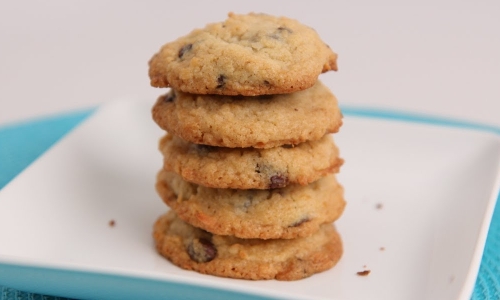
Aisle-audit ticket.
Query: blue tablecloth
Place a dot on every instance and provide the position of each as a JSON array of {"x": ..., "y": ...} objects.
[{"x": 22, "y": 143}]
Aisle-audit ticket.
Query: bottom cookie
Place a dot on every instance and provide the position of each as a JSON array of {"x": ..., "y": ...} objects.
[{"x": 194, "y": 249}]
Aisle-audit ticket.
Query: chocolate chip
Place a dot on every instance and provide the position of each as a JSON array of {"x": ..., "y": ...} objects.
[
  {"x": 201, "y": 250},
  {"x": 257, "y": 168},
  {"x": 279, "y": 32},
  {"x": 288, "y": 146},
  {"x": 300, "y": 222},
  {"x": 247, "y": 203},
  {"x": 283, "y": 28},
  {"x": 170, "y": 97},
  {"x": 185, "y": 49},
  {"x": 278, "y": 181},
  {"x": 221, "y": 81}
]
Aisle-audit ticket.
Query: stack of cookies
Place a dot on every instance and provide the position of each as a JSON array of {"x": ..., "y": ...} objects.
[{"x": 249, "y": 161}]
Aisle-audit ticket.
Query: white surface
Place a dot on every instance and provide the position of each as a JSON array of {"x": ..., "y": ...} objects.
[
  {"x": 438, "y": 57},
  {"x": 436, "y": 186}
]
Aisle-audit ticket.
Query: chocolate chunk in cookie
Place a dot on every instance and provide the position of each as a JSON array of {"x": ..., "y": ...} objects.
[{"x": 201, "y": 250}]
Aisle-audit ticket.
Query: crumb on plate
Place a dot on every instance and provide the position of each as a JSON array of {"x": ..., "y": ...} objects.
[{"x": 363, "y": 273}]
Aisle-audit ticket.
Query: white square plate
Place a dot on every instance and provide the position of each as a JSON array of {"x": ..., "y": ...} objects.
[{"x": 420, "y": 199}]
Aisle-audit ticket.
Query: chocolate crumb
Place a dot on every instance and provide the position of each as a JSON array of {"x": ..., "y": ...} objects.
[
  {"x": 363, "y": 273},
  {"x": 379, "y": 206},
  {"x": 382, "y": 249},
  {"x": 112, "y": 223}
]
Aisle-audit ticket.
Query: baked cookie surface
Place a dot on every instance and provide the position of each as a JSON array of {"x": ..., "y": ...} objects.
[
  {"x": 194, "y": 249},
  {"x": 259, "y": 122},
  {"x": 287, "y": 213},
  {"x": 249, "y": 55},
  {"x": 250, "y": 168}
]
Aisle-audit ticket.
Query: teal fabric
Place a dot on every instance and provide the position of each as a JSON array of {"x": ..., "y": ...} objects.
[{"x": 22, "y": 143}]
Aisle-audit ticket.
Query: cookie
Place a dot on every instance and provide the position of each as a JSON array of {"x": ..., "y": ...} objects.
[
  {"x": 249, "y": 55},
  {"x": 250, "y": 168},
  {"x": 226, "y": 256},
  {"x": 287, "y": 213},
  {"x": 240, "y": 122}
]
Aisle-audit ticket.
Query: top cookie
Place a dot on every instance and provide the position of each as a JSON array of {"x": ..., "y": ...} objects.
[{"x": 254, "y": 54}]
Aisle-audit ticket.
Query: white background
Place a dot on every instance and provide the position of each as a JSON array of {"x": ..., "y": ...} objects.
[{"x": 437, "y": 57}]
